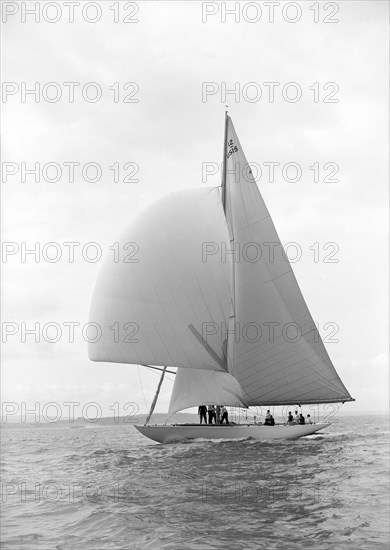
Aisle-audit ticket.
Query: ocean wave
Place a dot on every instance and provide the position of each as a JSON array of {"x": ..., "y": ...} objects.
[{"x": 118, "y": 491}]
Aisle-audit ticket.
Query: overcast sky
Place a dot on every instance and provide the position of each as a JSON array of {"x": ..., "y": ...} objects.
[{"x": 168, "y": 133}]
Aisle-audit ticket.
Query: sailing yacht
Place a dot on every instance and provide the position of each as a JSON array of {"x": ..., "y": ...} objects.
[{"x": 210, "y": 292}]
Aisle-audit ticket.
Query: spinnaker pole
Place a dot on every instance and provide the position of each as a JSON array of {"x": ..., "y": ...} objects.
[{"x": 156, "y": 396}]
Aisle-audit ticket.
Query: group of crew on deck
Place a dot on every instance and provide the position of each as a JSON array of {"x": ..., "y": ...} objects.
[
  {"x": 298, "y": 419},
  {"x": 216, "y": 414},
  {"x": 291, "y": 420}
]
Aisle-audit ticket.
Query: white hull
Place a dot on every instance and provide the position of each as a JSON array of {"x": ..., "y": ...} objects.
[{"x": 168, "y": 434}]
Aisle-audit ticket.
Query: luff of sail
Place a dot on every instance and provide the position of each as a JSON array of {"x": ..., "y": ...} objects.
[
  {"x": 278, "y": 367},
  {"x": 160, "y": 300}
]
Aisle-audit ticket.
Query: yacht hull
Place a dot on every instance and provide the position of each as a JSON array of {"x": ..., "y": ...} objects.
[{"x": 169, "y": 434}]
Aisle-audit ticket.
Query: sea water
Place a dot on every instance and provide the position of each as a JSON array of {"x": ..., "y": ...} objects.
[{"x": 109, "y": 488}]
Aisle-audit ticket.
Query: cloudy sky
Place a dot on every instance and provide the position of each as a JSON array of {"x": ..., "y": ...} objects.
[{"x": 167, "y": 51}]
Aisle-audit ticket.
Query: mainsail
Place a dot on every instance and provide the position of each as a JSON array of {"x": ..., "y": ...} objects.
[
  {"x": 236, "y": 310},
  {"x": 278, "y": 354}
]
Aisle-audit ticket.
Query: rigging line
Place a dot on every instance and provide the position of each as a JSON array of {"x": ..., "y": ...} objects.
[
  {"x": 154, "y": 369},
  {"x": 157, "y": 368},
  {"x": 142, "y": 388},
  {"x": 166, "y": 377}
]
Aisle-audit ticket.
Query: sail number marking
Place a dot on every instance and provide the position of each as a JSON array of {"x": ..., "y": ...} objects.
[{"x": 231, "y": 148}]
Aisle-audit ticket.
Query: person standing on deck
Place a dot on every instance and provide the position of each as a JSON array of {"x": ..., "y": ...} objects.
[
  {"x": 218, "y": 414},
  {"x": 211, "y": 413},
  {"x": 224, "y": 415},
  {"x": 202, "y": 410}
]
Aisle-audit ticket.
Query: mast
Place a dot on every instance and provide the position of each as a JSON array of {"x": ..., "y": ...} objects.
[
  {"x": 232, "y": 314},
  {"x": 224, "y": 164},
  {"x": 155, "y": 397}
]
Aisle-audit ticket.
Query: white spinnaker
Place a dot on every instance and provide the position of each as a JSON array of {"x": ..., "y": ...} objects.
[
  {"x": 272, "y": 368},
  {"x": 151, "y": 311},
  {"x": 194, "y": 387}
]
